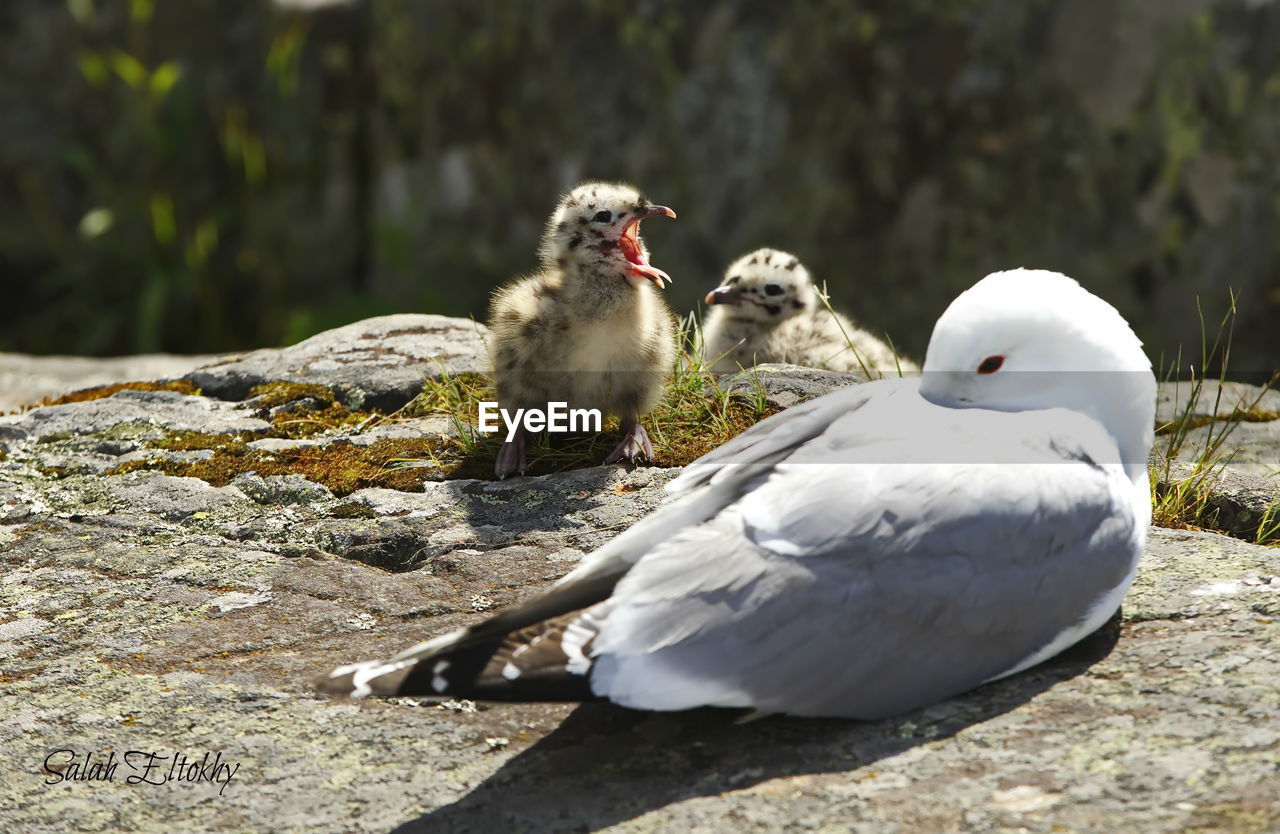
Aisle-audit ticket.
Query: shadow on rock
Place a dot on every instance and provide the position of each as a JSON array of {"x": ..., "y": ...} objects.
[
  {"x": 605, "y": 764},
  {"x": 548, "y": 503}
]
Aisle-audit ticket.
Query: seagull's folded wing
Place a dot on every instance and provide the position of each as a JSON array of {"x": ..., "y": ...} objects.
[
  {"x": 775, "y": 438},
  {"x": 922, "y": 581},
  {"x": 722, "y": 476}
]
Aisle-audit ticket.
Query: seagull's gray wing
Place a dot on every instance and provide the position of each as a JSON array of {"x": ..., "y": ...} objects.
[
  {"x": 868, "y": 590},
  {"x": 774, "y": 438},
  {"x": 724, "y": 475}
]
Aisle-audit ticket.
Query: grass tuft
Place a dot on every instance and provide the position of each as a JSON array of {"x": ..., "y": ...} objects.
[
  {"x": 1183, "y": 497},
  {"x": 1269, "y": 525},
  {"x": 694, "y": 416}
]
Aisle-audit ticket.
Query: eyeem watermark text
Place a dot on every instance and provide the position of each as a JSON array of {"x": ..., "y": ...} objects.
[{"x": 557, "y": 418}]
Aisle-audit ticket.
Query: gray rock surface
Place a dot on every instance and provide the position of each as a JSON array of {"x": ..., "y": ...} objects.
[
  {"x": 25, "y": 380},
  {"x": 1254, "y": 447},
  {"x": 376, "y": 363},
  {"x": 146, "y": 612},
  {"x": 1244, "y": 501},
  {"x": 783, "y": 386},
  {"x": 135, "y": 409},
  {"x": 1246, "y": 463},
  {"x": 280, "y": 489}
]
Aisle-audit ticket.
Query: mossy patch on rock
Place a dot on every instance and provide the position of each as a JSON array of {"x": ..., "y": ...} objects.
[
  {"x": 352, "y": 509},
  {"x": 298, "y": 410},
  {"x": 1251, "y": 415},
  {"x": 691, "y": 420},
  {"x": 342, "y": 467},
  {"x": 275, "y": 394},
  {"x": 182, "y": 386}
]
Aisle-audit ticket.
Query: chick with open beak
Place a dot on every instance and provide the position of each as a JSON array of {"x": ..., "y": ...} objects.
[
  {"x": 633, "y": 249},
  {"x": 588, "y": 328}
]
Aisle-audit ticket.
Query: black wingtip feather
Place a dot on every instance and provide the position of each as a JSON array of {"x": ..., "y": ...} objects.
[
  {"x": 471, "y": 664},
  {"x": 534, "y": 655}
]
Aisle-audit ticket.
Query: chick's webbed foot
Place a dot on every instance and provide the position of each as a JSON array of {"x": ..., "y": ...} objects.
[
  {"x": 634, "y": 446},
  {"x": 511, "y": 456}
]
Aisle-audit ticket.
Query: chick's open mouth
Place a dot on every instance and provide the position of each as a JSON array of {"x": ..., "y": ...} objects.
[{"x": 629, "y": 242}]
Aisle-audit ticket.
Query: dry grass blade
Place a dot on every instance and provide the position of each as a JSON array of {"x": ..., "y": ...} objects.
[{"x": 870, "y": 373}]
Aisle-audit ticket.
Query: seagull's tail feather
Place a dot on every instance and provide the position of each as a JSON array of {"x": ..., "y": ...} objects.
[
  {"x": 543, "y": 662},
  {"x": 537, "y": 651}
]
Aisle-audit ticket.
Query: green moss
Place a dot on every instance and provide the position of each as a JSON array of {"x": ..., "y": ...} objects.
[
  {"x": 352, "y": 509},
  {"x": 1240, "y": 818},
  {"x": 1190, "y": 423},
  {"x": 190, "y": 441},
  {"x": 275, "y": 394},
  {"x": 687, "y": 424},
  {"x": 128, "y": 431},
  {"x": 303, "y": 422},
  {"x": 342, "y": 467},
  {"x": 300, "y": 424},
  {"x": 182, "y": 386},
  {"x": 694, "y": 416}
]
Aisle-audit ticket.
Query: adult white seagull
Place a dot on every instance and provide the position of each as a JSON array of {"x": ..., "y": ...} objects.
[{"x": 873, "y": 551}]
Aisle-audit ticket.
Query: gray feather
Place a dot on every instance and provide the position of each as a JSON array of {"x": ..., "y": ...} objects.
[{"x": 899, "y": 595}]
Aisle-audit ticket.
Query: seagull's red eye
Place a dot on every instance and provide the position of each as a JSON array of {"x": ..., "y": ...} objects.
[{"x": 990, "y": 365}]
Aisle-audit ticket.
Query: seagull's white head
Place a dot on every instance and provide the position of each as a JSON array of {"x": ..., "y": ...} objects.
[
  {"x": 596, "y": 227},
  {"x": 1028, "y": 339},
  {"x": 767, "y": 286}
]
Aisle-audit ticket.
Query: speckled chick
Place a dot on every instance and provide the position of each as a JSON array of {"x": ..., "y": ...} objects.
[
  {"x": 588, "y": 328},
  {"x": 767, "y": 310}
]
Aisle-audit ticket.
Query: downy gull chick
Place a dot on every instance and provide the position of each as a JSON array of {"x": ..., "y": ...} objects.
[
  {"x": 587, "y": 328},
  {"x": 767, "y": 310}
]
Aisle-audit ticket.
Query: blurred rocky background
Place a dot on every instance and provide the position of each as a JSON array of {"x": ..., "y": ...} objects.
[{"x": 215, "y": 175}]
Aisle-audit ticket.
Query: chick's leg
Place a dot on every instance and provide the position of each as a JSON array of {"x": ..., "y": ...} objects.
[
  {"x": 511, "y": 456},
  {"x": 634, "y": 445}
]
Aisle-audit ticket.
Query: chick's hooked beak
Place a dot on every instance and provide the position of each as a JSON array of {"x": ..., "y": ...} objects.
[
  {"x": 631, "y": 249},
  {"x": 723, "y": 295}
]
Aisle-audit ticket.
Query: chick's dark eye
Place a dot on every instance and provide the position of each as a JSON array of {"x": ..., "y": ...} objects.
[
  {"x": 990, "y": 365},
  {"x": 773, "y": 289},
  {"x": 603, "y": 216}
]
